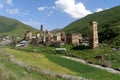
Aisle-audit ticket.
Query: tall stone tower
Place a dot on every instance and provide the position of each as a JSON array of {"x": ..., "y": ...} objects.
[{"x": 93, "y": 35}]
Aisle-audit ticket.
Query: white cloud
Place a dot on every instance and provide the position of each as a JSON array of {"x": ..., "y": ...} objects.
[
  {"x": 17, "y": 11},
  {"x": 13, "y": 11},
  {"x": 99, "y": 9},
  {"x": 75, "y": 10},
  {"x": 47, "y": 8},
  {"x": 9, "y": 2},
  {"x": 41, "y": 8},
  {"x": 1, "y": 5}
]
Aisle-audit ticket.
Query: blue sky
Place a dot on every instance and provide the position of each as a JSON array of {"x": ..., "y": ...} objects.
[{"x": 52, "y": 13}]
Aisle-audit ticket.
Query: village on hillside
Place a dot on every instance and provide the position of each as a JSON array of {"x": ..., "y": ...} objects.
[
  {"x": 57, "y": 39},
  {"x": 99, "y": 57}
]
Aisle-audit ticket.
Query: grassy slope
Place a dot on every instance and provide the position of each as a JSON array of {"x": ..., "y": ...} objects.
[
  {"x": 38, "y": 60},
  {"x": 108, "y": 24},
  {"x": 81, "y": 52},
  {"x": 13, "y": 27},
  {"x": 84, "y": 70},
  {"x": 61, "y": 65},
  {"x": 10, "y": 71}
]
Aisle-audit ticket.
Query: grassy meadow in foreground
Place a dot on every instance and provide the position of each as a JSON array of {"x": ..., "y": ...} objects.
[
  {"x": 11, "y": 71},
  {"x": 58, "y": 64}
]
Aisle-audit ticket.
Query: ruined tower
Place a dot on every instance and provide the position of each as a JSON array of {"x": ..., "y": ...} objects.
[{"x": 93, "y": 35}]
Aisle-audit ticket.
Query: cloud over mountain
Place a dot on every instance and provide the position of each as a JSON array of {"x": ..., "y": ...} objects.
[
  {"x": 99, "y": 9},
  {"x": 75, "y": 10}
]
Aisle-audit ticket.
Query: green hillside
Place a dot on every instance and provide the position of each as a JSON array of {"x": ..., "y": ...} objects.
[
  {"x": 108, "y": 25},
  {"x": 13, "y": 27}
]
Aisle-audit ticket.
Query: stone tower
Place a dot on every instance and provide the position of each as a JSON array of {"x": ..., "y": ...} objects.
[
  {"x": 42, "y": 33},
  {"x": 41, "y": 27},
  {"x": 93, "y": 35},
  {"x": 58, "y": 36}
]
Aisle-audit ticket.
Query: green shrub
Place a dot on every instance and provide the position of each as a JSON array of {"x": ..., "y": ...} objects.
[{"x": 61, "y": 52}]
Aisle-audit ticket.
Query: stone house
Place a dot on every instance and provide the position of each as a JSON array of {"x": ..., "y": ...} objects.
[
  {"x": 73, "y": 38},
  {"x": 28, "y": 36},
  {"x": 63, "y": 37}
]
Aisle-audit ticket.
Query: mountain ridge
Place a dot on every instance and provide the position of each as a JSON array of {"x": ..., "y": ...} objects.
[{"x": 13, "y": 27}]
